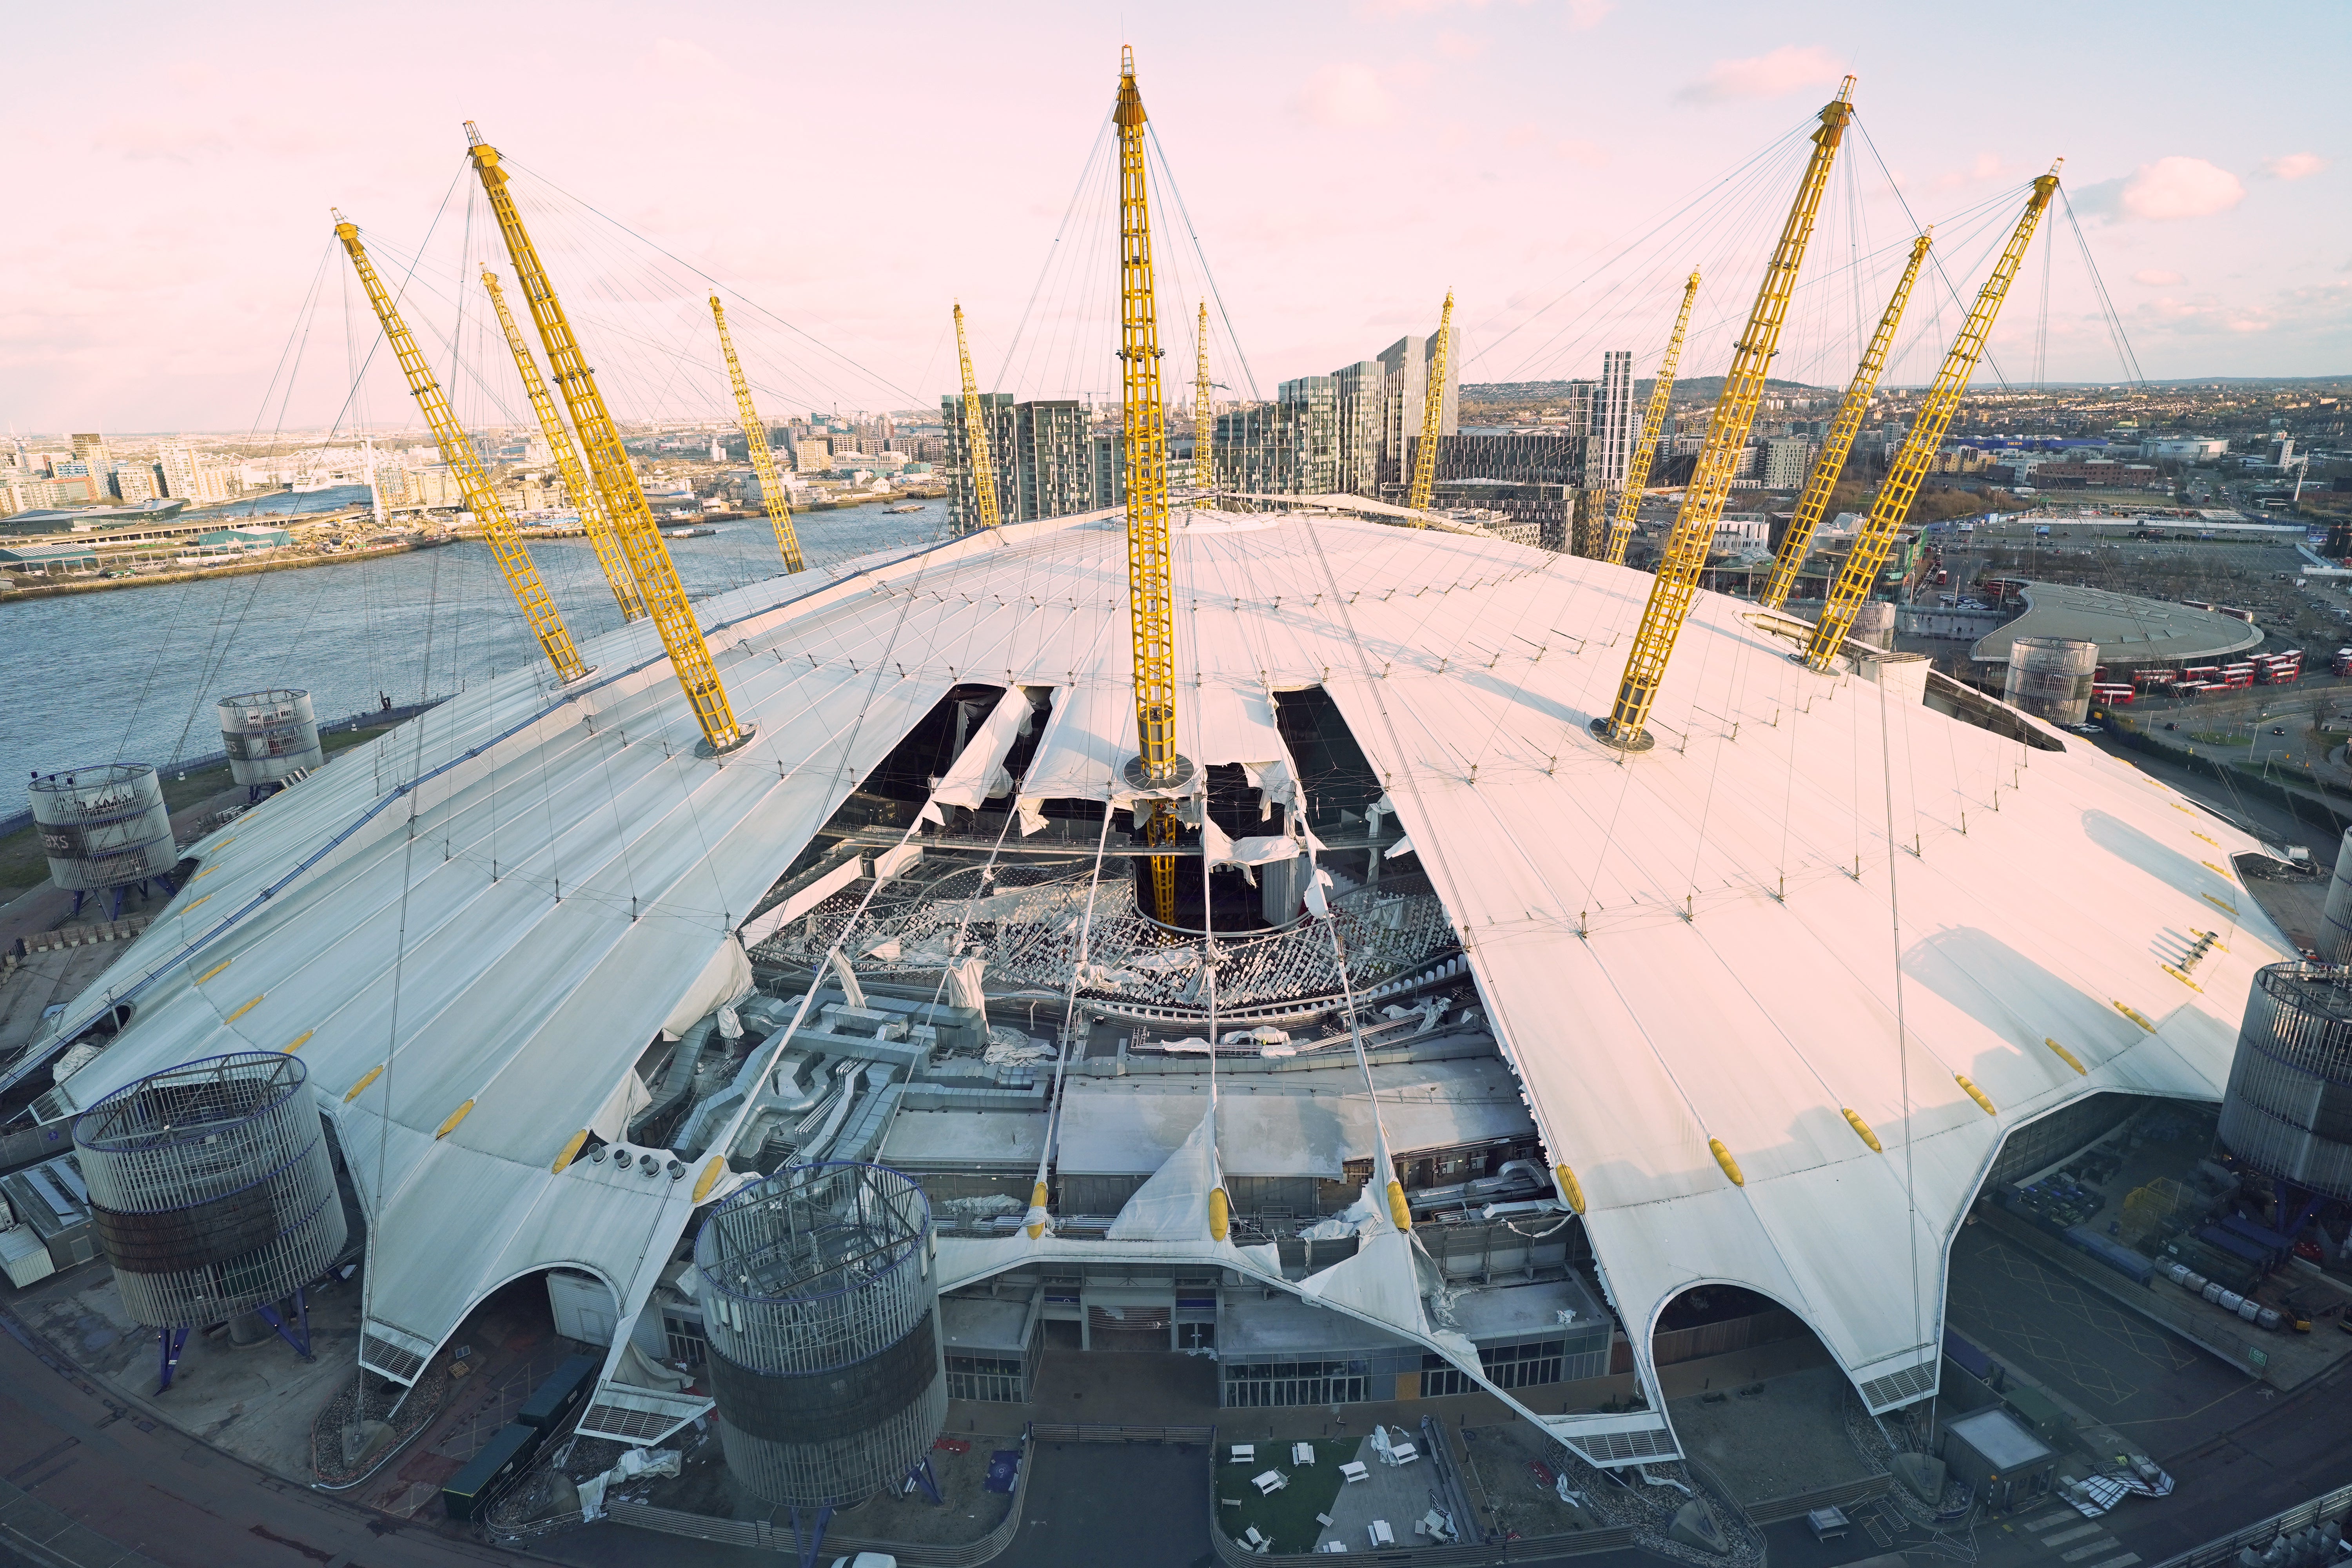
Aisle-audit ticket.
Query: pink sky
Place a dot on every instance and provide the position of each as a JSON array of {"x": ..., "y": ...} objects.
[{"x": 855, "y": 168}]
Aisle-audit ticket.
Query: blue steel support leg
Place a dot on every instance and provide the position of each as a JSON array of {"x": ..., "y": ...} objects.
[
  {"x": 75, "y": 911},
  {"x": 815, "y": 1542},
  {"x": 170, "y": 887},
  {"x": 301, "y": 1340},
  {"x": 114, "y": 901},
  {"x": 923, "y": 1477},
  {"x": 173, "y": 1341}
]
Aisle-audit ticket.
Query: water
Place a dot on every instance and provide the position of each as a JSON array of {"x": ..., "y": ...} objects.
[{"x": 131, "y": 675}]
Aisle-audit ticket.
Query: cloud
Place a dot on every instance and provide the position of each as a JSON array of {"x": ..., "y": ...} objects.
[
  {"x": 2293, "y": 166},
  {"x": 1347, "y": 96},
  {"x": 2180, "y": 187},
  {"x": 1984, "y": 166},
  {"x": 1585, "y": 15},
  {"x": 1460, "y": 45},
  {"x": 1577, "y": 150},
  {"x": 1784, "y": 71},
  {"x": 2155, "y": 278}
]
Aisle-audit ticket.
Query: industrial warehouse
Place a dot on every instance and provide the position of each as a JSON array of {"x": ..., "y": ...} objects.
[{"x": 1381, "y": 960}]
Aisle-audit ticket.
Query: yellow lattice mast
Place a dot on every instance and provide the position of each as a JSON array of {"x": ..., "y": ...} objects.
[
  {"x": 976, "y": 433},
  {"x": 755, "y": 443},
  {"x": 609, "y": 556},
  {"x": 1653, "y": 424},
  {"x": 1432, "y": 414},
  {"x": 1204, "y": 424},
  {"x": 481, "y": 497},
  {"x": 617, "y": 477},
  {"x": 1151, "y": 612},
  {"x": 1839, "y": 442},
  {"x": 1727, "y": 434},
  {"x": 1859, "y": 576}
]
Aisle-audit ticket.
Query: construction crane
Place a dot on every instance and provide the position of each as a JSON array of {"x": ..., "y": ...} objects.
[
  {"x": 1204, "y": 452},
  {"x": 755, "y": 443},
  {"x": 1726, "y": 435},
  {"x": 976, "y": 433},
  {"x": 617, "y": 477},
  {"x": 1433, "y": 414},
  {"x": 1839, "y": 442},
  {"x": 1151, "y": 610},
  {"x": 609, "y": 556},
  {"x": 1859, "y": 576},
  {"x": 1654, "y": 423},
  {"x": 458, "y": 451}
]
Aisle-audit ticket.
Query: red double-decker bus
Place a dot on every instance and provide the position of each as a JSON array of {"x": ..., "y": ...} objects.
[{"x": 2114, "y": 694}]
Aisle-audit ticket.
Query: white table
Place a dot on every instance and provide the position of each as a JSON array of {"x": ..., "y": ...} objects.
[
  {"x": 1356, "y": 1470},
  {"x": 1244, "y": 1453},
  {"x": 1302, "y": 1453},
  {"x": 1270, "y": 1482},
  {"x": 1403, "y": 1454},
  {"x": 1381, "y": 1533}
]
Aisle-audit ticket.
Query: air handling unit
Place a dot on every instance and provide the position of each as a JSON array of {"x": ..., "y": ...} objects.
[
  {"x": 213, "y": 1192},
  {"x": 271, "y": 738},
  {"x": 2287, "y": 1111},
  {"x": 822, "y": 1313},
  {"x": 105, "y": 829}
]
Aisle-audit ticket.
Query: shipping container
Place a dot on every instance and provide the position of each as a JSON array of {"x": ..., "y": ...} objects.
[
  {"x": 500, "y": 1460},
  {"x": 2135, "y": 1266}
]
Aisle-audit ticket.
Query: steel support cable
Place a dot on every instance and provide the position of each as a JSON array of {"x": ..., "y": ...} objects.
[
  {"x": 754, "y": 305},
  {"x": 1232, "y": 336},
  {"x": 1778, "y": 147},
  {"x": 2115, "y": 321},
  {"x": 1902, "y": 1027},
  {"x": 1053, "y": 247},
  {"x": 2007, "y": 194},
  {"x": 1730, "y": 231},
  {"x": 1070, "y": 1012}
]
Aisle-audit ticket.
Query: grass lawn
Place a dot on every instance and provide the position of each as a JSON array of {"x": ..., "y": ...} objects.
[
  {"x": 1288, "y": 1515},
  {"x": 23, "y": 866}
]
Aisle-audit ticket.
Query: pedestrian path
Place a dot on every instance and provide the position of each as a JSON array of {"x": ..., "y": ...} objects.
[{"x": 2065, "y": 1536}]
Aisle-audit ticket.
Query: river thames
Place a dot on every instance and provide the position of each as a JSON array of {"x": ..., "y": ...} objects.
[{"x": 131, "y": 675}]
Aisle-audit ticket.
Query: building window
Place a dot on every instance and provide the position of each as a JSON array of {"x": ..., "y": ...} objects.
[
  {"x": 1521, "y": 1365},
  {"x": 1282, "y": 1383},
  {"x": 1196, "y": 1336},
  {"x": 684, "y": 1334},
  {"x": 993, "y": 1378}
]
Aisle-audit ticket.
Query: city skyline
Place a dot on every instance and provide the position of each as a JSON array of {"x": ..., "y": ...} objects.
[{"x": 932, "y": 159}]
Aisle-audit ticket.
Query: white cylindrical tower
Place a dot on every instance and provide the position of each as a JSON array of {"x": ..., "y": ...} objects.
[
  {"x": 270, "y": 736},
  {"x": 2050, "y": 677},
  {"x": 102, "y": 827}
]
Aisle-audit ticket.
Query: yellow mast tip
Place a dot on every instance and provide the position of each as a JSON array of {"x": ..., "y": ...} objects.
[{"x": 1845, "y": 93}]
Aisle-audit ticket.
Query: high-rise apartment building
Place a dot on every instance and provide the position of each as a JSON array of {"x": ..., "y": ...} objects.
[
  {"x": 1609, "y": 448},
  {"x": 91, "y": 450},
  {"x": 1047, "y": 459},
  {"x": 177, "y": 462},
  {"x": 1788, "y": 462}
]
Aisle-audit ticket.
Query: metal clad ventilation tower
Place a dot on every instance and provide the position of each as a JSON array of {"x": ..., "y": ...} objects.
[
  {"x": 213, "y": 1194},
  {"x": 104, "y": 829},
  {"x": 271, "y": 738},
  {"x": 822, "y": 1310}
]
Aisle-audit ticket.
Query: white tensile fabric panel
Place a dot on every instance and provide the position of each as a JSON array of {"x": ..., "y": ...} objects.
[
  {"x": 1173, "y": 1204},
  {"x": 1739, "y": 984},
  {"x": 1691, "y": 943},
  {"x": 978, "y": 773}
]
